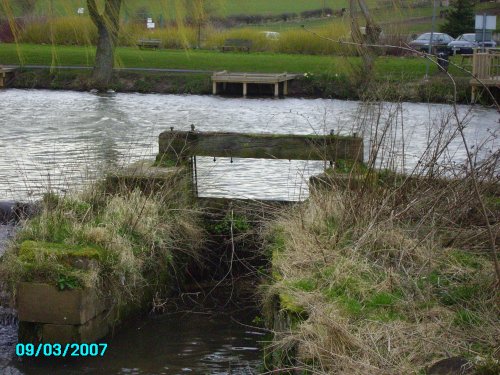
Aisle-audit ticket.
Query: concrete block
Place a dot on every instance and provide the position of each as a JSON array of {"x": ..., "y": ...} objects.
[
  {"x": 43, "y": 303},
  {"x": 91, "y": 331}
]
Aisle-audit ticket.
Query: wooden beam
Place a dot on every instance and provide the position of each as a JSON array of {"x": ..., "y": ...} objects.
[{"x": 180, "y": 146}]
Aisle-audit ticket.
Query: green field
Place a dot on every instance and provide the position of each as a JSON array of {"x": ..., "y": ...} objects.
[
  {"x": 393, "y": 68},
  {"x": 224, "y": 7}
]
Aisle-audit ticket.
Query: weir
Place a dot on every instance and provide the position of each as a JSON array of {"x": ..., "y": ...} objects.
[
  {"x": 83, "y": 315},
  {"x": 182, "y": 147}
]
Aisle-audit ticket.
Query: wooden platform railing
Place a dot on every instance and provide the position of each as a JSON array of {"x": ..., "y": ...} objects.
[
  {"x": 486, "y": 71},
  {"x": 486, "y": 65}
]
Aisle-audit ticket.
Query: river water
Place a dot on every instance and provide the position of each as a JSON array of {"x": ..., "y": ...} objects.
[
  {"x": 60, "y": 140},
  {"x": 204, "y": 339},
  {"x": 55, "y": 140}
]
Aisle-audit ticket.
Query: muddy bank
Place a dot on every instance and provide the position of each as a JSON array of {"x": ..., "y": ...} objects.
[{"x": 438, "y": 89}]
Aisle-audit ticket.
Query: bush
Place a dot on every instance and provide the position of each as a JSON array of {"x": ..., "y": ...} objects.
[{"x": 71, "y": 30}]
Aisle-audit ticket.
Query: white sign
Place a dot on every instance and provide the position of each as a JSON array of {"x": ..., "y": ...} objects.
[
  {"x": 150, "y": 20},
  {"x": 80, "y": 11},
  {"x": 151, "y": 25},
  {"x": 491, "y": 22}
]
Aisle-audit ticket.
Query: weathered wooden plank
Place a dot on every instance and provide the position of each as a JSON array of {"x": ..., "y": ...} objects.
[{"x": 179, "y": 145}]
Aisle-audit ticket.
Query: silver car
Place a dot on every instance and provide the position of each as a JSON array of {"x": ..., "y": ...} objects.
[
  {"x": 465, "y": 43},
  {"x": 423, "y": 41}
]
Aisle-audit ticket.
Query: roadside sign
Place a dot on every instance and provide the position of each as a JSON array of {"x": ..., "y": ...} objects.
[
  {"x": 80, "y": 11},
  {"x": 486, "y": 22},
  {"x": 151, "y": 25}
]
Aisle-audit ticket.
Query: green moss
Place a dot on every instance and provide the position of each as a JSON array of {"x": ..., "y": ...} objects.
[
  {"x": 29, "y": 250},
  {"x": 238, "y": 223},
  {"x": 164, "y": 162},
  {"x": 287, "y": 302},
  {"x": 349, "y": 166}
]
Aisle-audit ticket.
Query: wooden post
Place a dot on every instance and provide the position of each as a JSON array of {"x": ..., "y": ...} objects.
[
  {"x": 214, "y": 88},
  {"x": 276, "y": 90},
  {"x": 244, "y": 89},
  {"x": 285, "y": 88}
]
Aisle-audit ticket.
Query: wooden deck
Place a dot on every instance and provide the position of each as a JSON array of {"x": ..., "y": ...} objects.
[
  {"x": 4, "y": 72},
  {"x": 486, "y": 70},
  {"x": 245, "y": 79}
]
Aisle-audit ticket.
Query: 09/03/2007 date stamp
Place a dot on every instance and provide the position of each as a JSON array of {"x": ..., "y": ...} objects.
[{"x": 61, "y": 350}]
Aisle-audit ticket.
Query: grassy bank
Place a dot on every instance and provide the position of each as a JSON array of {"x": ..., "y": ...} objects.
[
  {"x": 382, "y": 273},
  {"x": 364, "y": 293},
  {"x": 387, "y": 66},
  {"x": 313, "y": 86},
  {"x": 125, "y": 243},
  {"x": 396, "y": 78}
]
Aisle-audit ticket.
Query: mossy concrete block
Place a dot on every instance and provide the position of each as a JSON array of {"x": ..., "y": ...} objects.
[
  {"x": 91, "y": 331},
  {"x": 43, "y": 303},
  {"x": 145, "y": 176},
  {"x": 75, "y": 255}
]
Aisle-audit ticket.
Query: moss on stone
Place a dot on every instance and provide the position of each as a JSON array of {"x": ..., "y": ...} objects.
[{"x": 29, "y": 250}]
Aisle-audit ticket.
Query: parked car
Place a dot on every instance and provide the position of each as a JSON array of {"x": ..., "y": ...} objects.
[
  {"x": 438, "y": 40},
  {"x": 465, "y": 43},
  {"x": 487, "y": 43}
]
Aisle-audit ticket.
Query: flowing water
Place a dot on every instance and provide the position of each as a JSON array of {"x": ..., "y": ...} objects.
[
  {"x": 60, "y": 140},
  {"x": 203, "y": 340}
]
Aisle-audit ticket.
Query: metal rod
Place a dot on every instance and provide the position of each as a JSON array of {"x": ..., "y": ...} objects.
[
  {"x": 484, "y": 31},
  {"x": 195, "y": 177},
  {"x": 432, "y": 36}
]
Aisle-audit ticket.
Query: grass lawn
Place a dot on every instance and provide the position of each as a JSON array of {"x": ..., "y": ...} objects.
[
  {"x": 394, "y": 68},
  {"x": 224, "y": 7}
]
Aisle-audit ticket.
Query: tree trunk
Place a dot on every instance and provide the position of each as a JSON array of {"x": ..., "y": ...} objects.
[
  {"x": 372, "y": 32},
  {"x": 108, "y": 25}
]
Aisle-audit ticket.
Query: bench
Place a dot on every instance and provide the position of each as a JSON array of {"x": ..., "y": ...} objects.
[
  {"x": 149, "y": 43},
  {"x": 237, "y": 45}
]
